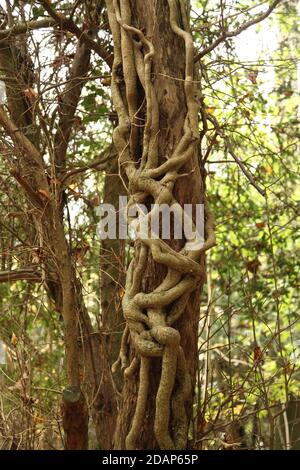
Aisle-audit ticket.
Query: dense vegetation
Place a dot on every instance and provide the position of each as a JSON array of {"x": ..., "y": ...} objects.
[{"x": 58, "y": 114}]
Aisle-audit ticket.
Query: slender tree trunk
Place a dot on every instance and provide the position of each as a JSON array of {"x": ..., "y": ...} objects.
[
  {"x": 111, "y": 321},
  {"x": 112, "y": 272}
]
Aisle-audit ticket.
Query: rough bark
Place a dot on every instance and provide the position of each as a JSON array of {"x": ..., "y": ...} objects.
[
  {"x": 152, "y": 84},
  {"x": 111, "y": 265},
  {"x": 112, "y": 273},
  {"x": 75, "y": 419}
]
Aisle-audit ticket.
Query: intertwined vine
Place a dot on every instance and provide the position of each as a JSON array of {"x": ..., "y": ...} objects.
[{"x": 150, "y": 317}]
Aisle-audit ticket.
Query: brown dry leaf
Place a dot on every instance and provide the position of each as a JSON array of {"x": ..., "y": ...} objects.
[
  {"x": 30, "y": 93},
  {"x": 288, "y": 369},
  {"x": 257, "y": 354},
  {"x": 106, "y": 81},
  {"x": 35, "y": 259},
  {"x": 213, "y": 140},
  {"x": 14, "y": 339},
  {"x": 246, "y": 113},
  {"x": 260, "y": 224},
  {"x": 201, "y": 425},
  {"x": 244, "y": 97},
  {"x": 81, "y": 251},
  {"x": 17, "y": 386},
  {"x": 44, "y": 194},
  {"x": 252, "y": 76},
  {"x": 77, "y": 124},
  {"x": 77, "y": 195},
  {"x": 253, "y": 265},
  {"x": 58, "y": 61},
  {"x": 37, "y": 255},
  {"x": 95, "y": 201}
]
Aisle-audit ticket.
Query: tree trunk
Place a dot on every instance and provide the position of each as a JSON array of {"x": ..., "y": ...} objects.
[
  {"x": 75, "y": 419},
  {"x": 112, "y": 274},
  {"x": 152, "y": 84}
]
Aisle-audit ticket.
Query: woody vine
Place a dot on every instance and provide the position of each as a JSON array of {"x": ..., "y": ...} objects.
[{"x": 150, "y": 317}]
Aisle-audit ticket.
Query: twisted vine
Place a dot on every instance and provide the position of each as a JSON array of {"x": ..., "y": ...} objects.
[{"x": 150, "y": 317}]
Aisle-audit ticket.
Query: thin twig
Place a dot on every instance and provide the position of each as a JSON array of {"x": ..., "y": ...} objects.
[{"x": 236, "y": 32}]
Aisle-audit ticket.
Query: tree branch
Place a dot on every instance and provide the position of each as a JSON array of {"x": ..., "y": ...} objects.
[
  {"x": 32, "y": 195},
  {"x": 22, "y": 28},
  {"x": 20, "y": 139},
  {"x": 230, "y": 34},
  {"x": 246, "y": 172},
  {"x": 230, "y": 149},
  {"x": 29, "y": 154},
  {"x": 70, "y": 26},
  {"x": 99, "y": 163},
  {"x": 26, "y": 274},
  {"x": 68, "y": 106}
]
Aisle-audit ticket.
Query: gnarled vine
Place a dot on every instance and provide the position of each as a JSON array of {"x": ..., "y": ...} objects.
[{"x": 150, "y": 317}]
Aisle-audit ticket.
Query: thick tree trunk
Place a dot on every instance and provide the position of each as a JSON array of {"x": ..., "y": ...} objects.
[{"x": 168, "y": 78}]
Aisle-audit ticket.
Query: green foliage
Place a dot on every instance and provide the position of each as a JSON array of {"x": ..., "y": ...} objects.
[
  {"x": 253, "y": 332},
  {"x": 249, "y": 336}
]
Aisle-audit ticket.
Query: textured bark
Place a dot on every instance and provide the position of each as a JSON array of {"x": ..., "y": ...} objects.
[
  {"x": 168, "y": 66},
  {"x": 75, "y": 419},
  {"x": 112, "y": 274},
  {"x": 111, "y": 318}
]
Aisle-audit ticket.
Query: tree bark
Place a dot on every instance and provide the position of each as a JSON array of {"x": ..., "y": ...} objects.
[
  {"x": 140, "y": 420},
  {"x": 112, "y": 273},
  {"x": 75, "y": 419}
]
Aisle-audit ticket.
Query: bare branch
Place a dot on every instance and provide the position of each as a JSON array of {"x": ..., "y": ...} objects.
[
  {"x": 19, "y": 139},
  {"x": 99, "y": 163},
  {"x": 246, "y": 172},
  {"x": 26, "y": 274},
  {"x": 32, "y": 195},
  {"x": 230, "y": 149},
  {"x": 230, "y": 34},
  {"x": 69, "y": 102},
  {"x": 29, "y": 154},
  {"x": 70, "y": 26},
  {"x": 22, "y": 28}
]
